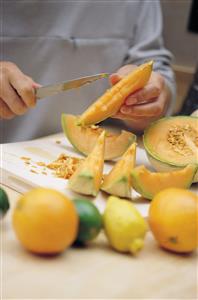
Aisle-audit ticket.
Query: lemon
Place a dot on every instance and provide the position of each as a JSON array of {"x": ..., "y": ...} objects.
[{"x": 125, "y": 228}]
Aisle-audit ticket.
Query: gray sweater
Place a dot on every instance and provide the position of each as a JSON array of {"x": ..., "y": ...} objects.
[{"x": 54, "y": 41}]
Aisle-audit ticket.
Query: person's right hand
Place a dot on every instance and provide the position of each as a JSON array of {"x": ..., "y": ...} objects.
[{"x": 16, "y": 91}]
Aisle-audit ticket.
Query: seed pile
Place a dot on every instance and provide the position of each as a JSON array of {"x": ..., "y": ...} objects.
[{"x": 63, "y": 167}]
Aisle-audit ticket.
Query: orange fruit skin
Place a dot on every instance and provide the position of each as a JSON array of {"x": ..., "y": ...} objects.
[
  {"x": 173, "y": 219},
  {"x": 45, "y": 221}
]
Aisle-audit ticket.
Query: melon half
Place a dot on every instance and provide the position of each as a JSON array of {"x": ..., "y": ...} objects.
[
  {"x": 171, "y": 143},
  {"x": 83, "y": 139}
]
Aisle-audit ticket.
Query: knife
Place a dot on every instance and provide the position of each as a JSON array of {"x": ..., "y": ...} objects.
[{"x": 54, "y": 89}]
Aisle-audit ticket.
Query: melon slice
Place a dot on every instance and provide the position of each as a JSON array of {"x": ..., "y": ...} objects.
[
  {"x": 88, "y": 176},
  {"x": 172, "y": 143},
  {"x": 118, "y": 181},
  {"x": 148, "y": 184},
  {"x": 109, "y": 103},
  {"x": 84, "y": 138}
]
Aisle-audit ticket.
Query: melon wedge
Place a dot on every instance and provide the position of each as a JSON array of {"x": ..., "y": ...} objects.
[
  {"x": 148, "y": 184},
  {"x": 118, "y": 181},
  {"x": 83, "y": 139},
  {"x": 87, "y": 178},
  {"x": 109, "y": 103}
]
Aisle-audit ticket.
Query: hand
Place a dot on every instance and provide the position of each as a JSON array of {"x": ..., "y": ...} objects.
[
  {"x": 16, "y": 91},
  {"x": 145, "y": 105}
]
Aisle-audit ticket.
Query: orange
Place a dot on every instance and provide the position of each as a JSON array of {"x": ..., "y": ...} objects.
[
  {"x": 173, "y": 219},
  {"x": 45, "y": 221}
]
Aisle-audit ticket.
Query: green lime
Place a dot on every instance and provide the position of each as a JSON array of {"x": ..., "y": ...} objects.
[
  {"x": 90, "y": 220},
  {"x": 4, "y": 203}
]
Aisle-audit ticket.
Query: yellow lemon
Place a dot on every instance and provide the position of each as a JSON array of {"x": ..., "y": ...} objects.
[{"x": 125, "y": 228}]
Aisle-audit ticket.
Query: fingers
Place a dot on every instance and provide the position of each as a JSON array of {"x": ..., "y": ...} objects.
[
  {"x": 12, "y": 100},
  {"x": 148, "y": 110},
  {"x": 16, "y": 91},
  {"x": 24, "y": 86},
  {"x": 5, "y": 112},
  {"x": 149, "y": 93}
]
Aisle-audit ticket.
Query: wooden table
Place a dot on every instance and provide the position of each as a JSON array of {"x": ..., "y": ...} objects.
[{"x": 94, "y": 272}]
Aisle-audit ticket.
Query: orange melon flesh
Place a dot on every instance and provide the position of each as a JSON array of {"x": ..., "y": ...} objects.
[
  {"x": 88, "y": 176},
  {"x": 84, "y": 138},
  {"x": 148, "y": 184},
  {"x": 157, "y": 140},
  {"x": 109, "y": 103},
  {"x": 118, "y": 181}
]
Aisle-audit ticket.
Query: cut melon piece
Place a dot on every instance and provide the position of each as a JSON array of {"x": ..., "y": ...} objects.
[
  {"x": 84, "y": 138},
  {"x": 148, "y": 184},
  {"x": 118, "y": 181},
  {"x": 88, "y": 176},
  {"x": 109, "y": 103},
  {"x": 172, "y": 143}
]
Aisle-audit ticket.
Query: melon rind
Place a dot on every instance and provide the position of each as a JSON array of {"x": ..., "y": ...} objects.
[
  {"x": 163, "y": 180},
  {"x": 120, "y": 144},
  {"x": 162, "y": 164}
]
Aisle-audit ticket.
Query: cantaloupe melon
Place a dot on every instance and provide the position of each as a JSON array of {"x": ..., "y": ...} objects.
[
  {"x": 172, "y": 143},
  {"x": 84, "y": 138},
  {"x": 118, "y": 181},
  {"x": 148, "y": 184},
  {"x": 88, "y": 176},
  {"x": 109, "y": 103}
]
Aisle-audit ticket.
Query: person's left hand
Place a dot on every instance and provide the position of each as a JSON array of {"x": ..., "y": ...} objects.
[{"x": 146, "y": 104}]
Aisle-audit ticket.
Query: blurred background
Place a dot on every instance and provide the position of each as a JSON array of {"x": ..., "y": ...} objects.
[{"x": 182, "y": 43}]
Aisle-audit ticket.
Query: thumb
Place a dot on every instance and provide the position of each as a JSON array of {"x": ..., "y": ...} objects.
[
  {"x": 114, "y": 78},
  {"x": 120, "y": 73}
]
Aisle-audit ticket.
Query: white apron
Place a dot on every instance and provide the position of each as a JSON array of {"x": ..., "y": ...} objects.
[{"x": 54, "y": 41}]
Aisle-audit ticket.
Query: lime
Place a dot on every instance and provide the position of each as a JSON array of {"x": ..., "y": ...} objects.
[
  {"x": 4, "y": 203},
  {"x": 90, "y": 220}
]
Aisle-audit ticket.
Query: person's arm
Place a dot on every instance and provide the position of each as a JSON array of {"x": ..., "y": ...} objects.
[
  {"x": 16, "y": 91},
  {"x": 158, "y": 96}
]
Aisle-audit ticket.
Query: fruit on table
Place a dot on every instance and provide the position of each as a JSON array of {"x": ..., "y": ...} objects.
[
  {"x": 4, "y": 203},
  {"x": 148, "y": 184},
  {"x": 84, "y": 138},
  {"x": 172, "y": 143},
  {"x": 124, "y": 226},
  {"x": 88, "y": 176},
  {"x": 45, "y": 221},
  {"x": 90, "y": 218},
  {"x": 109, "y": 103},
  {"x": 173, "y": 219},
  {"x": 118, "y": 181}
]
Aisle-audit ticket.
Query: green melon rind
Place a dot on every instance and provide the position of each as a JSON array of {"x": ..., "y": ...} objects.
[
  {"x": 79, "y": 185},
  {"x": 139, "y": 187},
  {"x": 111, "y": 188},
  {"x": 66, "y": 132},
  {"x": 132, "y": 139},
  {"x": 161, "y": 164}
]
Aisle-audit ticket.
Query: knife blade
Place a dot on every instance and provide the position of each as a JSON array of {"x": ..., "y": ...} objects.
[{"x": 54, "y": 89}]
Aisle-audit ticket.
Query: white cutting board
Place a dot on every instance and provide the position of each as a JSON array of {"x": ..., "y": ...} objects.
[{"x": 17, "y": 175}]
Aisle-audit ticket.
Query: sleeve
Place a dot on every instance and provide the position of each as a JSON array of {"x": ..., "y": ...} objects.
[{"x": 147, "y": 44}]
